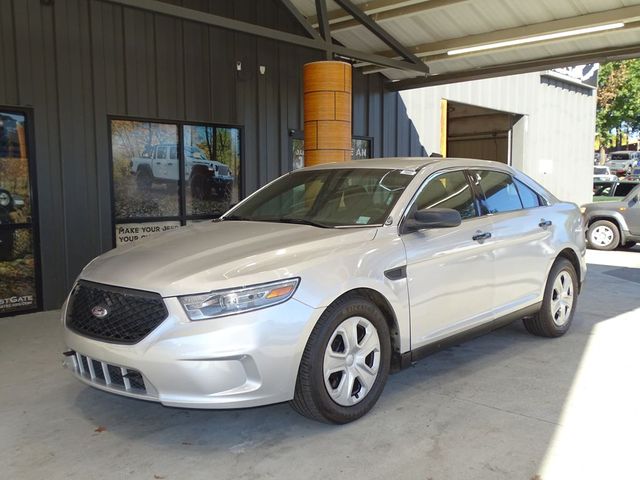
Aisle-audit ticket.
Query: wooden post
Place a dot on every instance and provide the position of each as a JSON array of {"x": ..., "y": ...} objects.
[{"x": 327, "y": 112}]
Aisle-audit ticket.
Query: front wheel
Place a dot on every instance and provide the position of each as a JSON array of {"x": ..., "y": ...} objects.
[
  {"x": 603, "y": 235},
  {"x": 559, "y": 302},
  {"x": 345, "y": 364}
]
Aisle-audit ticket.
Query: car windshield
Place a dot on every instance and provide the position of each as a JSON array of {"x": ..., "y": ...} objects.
[
  {"x": 619, "y": 156},
  {"x": 337, "y": 197},
  {"x": 633, "y": 193}
]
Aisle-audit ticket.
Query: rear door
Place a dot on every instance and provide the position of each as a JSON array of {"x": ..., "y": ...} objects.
[
  {"x": 449, "y": 270},
  {"x": 523, "y": 230}
]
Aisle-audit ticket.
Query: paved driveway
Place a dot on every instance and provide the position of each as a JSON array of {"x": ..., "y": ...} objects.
[{"x": 504, "y": 406}]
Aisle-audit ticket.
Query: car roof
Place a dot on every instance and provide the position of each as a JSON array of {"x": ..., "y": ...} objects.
[{"x": 411, "y": 163}]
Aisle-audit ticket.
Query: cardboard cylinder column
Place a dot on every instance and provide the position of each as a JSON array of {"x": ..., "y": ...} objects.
[{"x": 327, "y": 112}]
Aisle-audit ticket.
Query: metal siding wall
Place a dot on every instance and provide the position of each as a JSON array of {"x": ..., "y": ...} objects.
[{"x": 78, "y": 61}]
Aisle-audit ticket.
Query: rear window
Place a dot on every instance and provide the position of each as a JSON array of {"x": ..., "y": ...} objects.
[
  {"x": 600, "y": 171},
  {"x": 499, "y": 191},
  {"x": 619, "y": 156},
  {"x": 529, "y": 198}
]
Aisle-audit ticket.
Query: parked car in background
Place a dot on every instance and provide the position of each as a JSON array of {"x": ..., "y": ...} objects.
[
  {"x": 621, "y": 162},
  {"x": 612, "y": 190},
  {"x": 603, "y": 174},
  {"x": 634, "y": 175},
  {"x": 614, "y": 224},
  {"x": 314, "y": 287},
  {"x": 159, "y": 164}
]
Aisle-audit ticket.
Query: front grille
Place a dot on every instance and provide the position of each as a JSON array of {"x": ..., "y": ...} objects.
[
  {"x": 130, "y": 314},
  {"x": 112, "y": 376},
  {"x": 223, "y": 170}
]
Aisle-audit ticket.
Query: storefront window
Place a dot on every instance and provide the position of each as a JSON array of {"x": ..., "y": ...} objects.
[
  {"x": 360, "y": 149},
  {"x": 18, "y": 259},
  {"x": 168, "y": 174}
]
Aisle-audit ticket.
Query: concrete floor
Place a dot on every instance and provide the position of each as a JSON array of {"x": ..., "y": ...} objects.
[{"x": 504, "y": 406}]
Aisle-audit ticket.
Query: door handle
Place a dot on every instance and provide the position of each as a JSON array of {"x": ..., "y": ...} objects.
[
  {"x": 478, "y": 237},
  {"x": 545, "y": 223}
]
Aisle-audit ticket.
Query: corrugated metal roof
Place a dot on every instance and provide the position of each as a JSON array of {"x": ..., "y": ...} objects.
[{"x": 459, "y": 19}]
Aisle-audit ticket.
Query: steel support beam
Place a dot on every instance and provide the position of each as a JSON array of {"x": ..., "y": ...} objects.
[
  {"x": 397, "y": 12},
  {"x": 325, "y": 31},
  {"x": 210, "y": 19},
  {"x": 383, "y": 10},
  {"x": 302, "y": 20},
  {"x": 618, "y": 15},
  {"x": 537, "y": 65},
  {"x": 378, "y": 31}
]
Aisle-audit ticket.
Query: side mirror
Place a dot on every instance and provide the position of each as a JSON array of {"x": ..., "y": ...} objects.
[{"x": 432, "y": 218}]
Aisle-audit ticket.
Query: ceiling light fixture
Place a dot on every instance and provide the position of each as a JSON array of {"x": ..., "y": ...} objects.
[{"x": 537, "y": 38}]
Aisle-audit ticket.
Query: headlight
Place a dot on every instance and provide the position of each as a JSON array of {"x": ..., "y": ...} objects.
[
  {"x": 583, "y": 209},
  {"x": 238, "y": 300},
  {"x": 5, "y": 199}
]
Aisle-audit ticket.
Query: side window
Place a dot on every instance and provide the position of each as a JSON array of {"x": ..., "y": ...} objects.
[
  {"x": 173, "y": 153},
  {"x": 449, "y": 190},
  {"x": 529, "y": 198},
  {"x": 499, "y": 192},
  {"x": 161, "y": 152},
  {"x": 624, "y": 189}
]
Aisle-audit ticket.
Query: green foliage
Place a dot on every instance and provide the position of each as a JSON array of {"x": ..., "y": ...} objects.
[{"x": 618, "y": 111}]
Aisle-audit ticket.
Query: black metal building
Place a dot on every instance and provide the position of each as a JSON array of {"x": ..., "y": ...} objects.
[{"x": 70, "y": 68}]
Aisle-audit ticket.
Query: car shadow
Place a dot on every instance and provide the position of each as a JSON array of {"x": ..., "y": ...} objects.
[{"x": 500, "y": 396}]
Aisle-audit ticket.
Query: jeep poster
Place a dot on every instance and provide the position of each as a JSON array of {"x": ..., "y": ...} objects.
[
  {"x": 17, "y": 261},
  {"x": 169, "y": 174}
]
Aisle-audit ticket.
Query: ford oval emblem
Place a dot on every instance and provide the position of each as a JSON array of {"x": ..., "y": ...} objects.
[{"x": 99, "y": 311}]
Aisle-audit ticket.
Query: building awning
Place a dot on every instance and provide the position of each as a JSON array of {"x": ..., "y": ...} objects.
[
  {"x": 469, "y": 39},
  {"x": 417, "y": 43}
]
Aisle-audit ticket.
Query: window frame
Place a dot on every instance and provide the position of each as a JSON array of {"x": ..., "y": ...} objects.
[
  {"x": 182, "y": 218},
  {"x": 34, "y": 225},
  {"x": 411, "y": 203},
  {"x": 544, "y": 202}
]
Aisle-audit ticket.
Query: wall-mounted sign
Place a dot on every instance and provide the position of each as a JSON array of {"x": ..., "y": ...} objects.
[
  {"x": 360, "y": 149},
  {"x": 132, "y": 232}
]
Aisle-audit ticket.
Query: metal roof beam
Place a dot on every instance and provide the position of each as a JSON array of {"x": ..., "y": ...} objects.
[
  {"x": 380, "y": 10},
  {"x": 625, "y": 14},
  {"x": 537, "y": 65},
  {"x": 378, "y": 31},
  {"x": 302, "y": 20},
  {"x": 227, "y": 23}
]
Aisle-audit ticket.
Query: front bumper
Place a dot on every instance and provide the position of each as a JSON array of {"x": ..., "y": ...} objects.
[{"x": 243, "y": 360}]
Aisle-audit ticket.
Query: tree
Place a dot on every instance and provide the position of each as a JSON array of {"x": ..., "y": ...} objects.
[{"x": 618, "y": 108}]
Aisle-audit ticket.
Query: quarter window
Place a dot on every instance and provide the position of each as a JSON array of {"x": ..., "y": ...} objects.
[
  {"x": 449, "y": 190},
  {"x": 497, "y": 191},
  {"x": 530, "y": 199}
]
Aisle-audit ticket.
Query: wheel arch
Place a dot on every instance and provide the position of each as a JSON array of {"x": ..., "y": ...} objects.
[
  {"x": 573, "y": 257},
  {"x": 387, "y": 311}
]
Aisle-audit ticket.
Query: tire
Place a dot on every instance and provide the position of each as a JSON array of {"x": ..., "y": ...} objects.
[
  {"x": 144, "y": 179},
  {"x": 352, "y": 367},
  {"x": 627, "y": 245},
  {"x": 603, "y": 235},
  {"x": 200, "y": 187},
  {"x": 554, "y": 319}
]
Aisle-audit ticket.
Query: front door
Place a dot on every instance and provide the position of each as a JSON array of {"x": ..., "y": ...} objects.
[{"x": 449, "y": 270}]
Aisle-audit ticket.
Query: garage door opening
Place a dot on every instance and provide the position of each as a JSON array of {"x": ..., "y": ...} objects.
[{"x": 478, "y": 132}]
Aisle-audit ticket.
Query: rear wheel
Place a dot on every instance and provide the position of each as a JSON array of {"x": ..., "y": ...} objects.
[
  {"x": 559, "y": 302},
  {"x": 345, "y": 364},
  {"x": 144, "y": 179},
  {"x": 603, "y": 235}
]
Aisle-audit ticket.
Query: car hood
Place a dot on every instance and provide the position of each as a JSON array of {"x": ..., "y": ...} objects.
[{"x": 216, "y": 255}]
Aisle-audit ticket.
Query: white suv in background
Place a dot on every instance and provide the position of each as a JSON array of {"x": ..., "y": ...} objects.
[{"x": 313, "y": 288}]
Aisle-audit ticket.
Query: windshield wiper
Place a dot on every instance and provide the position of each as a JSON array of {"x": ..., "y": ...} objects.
[
  {"x": 299, "y": 221},
  {"x": 235, "y": 217}
]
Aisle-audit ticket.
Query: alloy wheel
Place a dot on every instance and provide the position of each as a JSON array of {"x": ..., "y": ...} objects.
[
  {"x": 602, "y": 236},
  {"x": 562, "y": 298},
  {"x": 351, "y": 361}
]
